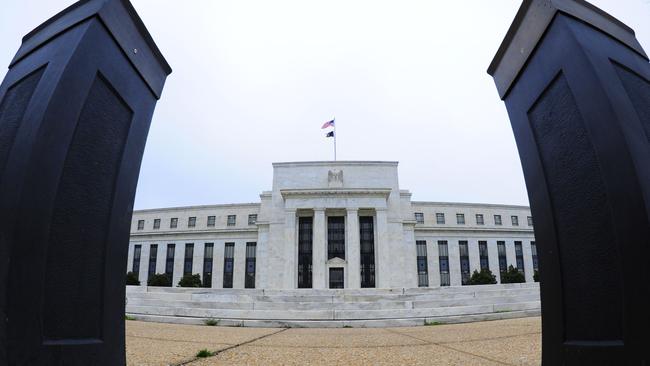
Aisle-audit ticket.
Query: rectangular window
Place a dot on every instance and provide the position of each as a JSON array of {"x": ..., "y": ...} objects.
[
  {"x": 208, "y": 254},
  {"x": 191, "y": 222},
  {"x": 211, "y": 221},
  {"x": 483, "y": 254},
  {"x": 153, "y": 258},
  {"x": 305, "y": 234},
  {"x": 169, "y": 262},
  {"x": 136, "y": 260},
  {"x": 519, "y": 255},
  {"x": 503, "y": 262},
  {"x": 533, "y": 249},
  {"x": 460, "y": 219},
  {"x": 228, "y": 264},
  {"x": 515, "y": 220},
  {"x": 335, "y": 237},
  {"x": 443, "y": 258},
  {"x": 440, "y": 218},
  {"x": 367, "y": 244},
  {"x": 423, "y": 268},
  {"x": 189, "y": 256},
  {"x": 251, "y": 249},
  {"x": 156, "y": 224},
  {"x": 252, "y": 219},
  {"x": 479, "y": 219},
  {"x": 463, "y": 247},
  {"x": 336, "y": 278},
  {"x": 232, "y": 220},
  {"x": 530, "y": 220},
  {"x": 173, "y": 223},
  {"x": 497, "y": 220},
  {"x": 419, "y": 218},
  {"x": 140, "y": 224}
]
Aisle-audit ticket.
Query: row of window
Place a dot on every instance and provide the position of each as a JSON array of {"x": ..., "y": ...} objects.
[
  {"x": 191, "y": 221},
  {"x": 188, "y": 262},
  {"x": 480, "y": 220},
  {"x": 443, "y": 259}
]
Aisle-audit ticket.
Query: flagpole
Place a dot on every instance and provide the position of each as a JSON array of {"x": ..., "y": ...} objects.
[{"x": 334, "y": 138}]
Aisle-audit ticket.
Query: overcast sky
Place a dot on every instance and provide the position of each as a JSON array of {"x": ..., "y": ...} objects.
[{"x": 253, "y": 82}]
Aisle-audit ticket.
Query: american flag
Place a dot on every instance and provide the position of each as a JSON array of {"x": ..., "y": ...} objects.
[{"x": 328, "y": 124}]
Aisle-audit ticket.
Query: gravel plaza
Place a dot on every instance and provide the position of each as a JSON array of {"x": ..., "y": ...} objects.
[{"x": 499, "y": 342}]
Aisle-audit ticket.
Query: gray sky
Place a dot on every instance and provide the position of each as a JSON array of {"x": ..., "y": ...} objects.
[{"x": 253, "y": 82}]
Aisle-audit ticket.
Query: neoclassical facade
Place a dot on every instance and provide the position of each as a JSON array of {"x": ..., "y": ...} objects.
[{"x": 343, "y": 224}]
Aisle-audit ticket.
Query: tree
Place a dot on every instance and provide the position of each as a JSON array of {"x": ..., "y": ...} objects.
[
  {"x": 132, "y": 279},
  {"x": 485, "y": 277},
  {"x": 190, "y": 280},
  {"x": 160, "y": 279},
  {"x": 512, "y": 276}
]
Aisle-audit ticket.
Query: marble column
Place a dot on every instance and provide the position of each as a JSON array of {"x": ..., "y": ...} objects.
[
  {"x": 511, "y": 256},
  {"x": 290, "y": 251},
  {"x": 493, "y": 259},
  {"x": 433, "y": 263},
  {"x": 179, "y": 260},
  {"x": 382, "y": 270},
  {"x": 197, "y": 260},
  {"x": 239, "y": 268},
  {"x": 529, "y": 271},
  {"x": 474, "y": 256},
  {"x": 144, "y": 264},
  {"x": 455, "y": 276},
  {"x": 353, "y": 249},
  {"x": 217, "y": 267},
  {"x": 319, "y": 249}
]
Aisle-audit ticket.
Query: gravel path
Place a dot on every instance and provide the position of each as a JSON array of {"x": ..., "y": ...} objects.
[{"x": 501, "y": 342}]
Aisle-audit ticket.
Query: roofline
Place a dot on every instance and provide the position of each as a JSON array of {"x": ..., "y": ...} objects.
[
  {"x": 467, "y": 204},
  {"x": 180, "y": 208},
  {"x": 337, "y": 162}
]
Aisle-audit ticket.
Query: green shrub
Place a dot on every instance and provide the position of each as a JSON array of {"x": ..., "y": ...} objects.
[
  {"x": 431, "y": 323},
  {"x": 160, "y": 279},
  {"x": 132, "y": 279},
  {"x": 211, "y": 322},
  {"x": 512, "y": 276},
  {"x": 129, "y": 317},
  {"x": 204, "y": 353},
  {"x": 485, "y": 277},
  {"x": 536, "y": 276},
  {"x": 190, "y": 280}
]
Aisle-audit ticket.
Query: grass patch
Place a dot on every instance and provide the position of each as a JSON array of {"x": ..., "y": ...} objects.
[
  {"x": 211, "y": 322},
  {"x": 129, "y": 317},
  {"x": 204, "y": 353},
  {"x": 431, "y": 323}
]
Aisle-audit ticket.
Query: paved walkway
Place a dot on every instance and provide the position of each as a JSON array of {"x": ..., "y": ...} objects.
[{"x": 500, "y": 342}]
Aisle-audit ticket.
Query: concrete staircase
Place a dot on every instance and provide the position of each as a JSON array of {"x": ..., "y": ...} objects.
[{"x": 333, "y": 308}]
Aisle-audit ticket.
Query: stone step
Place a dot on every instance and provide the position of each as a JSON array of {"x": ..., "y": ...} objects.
[
  {"x": 217, "y": 296},
  {"x": 408, "y": 322},
  {"x": 356, "y": 305},
  {"x": 330, "y": 314}
]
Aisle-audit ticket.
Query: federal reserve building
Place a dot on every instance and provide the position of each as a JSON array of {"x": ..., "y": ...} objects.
[{"x": 332, "y": 225}]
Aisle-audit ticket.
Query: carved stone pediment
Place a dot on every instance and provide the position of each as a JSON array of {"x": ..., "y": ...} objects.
[{"x": 336, "y": 261}]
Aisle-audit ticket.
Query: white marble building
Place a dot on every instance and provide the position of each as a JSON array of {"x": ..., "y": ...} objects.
[{"x": 343, "y": 224}]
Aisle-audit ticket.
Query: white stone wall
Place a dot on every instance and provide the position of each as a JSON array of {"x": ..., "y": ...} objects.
[{"x": 320, "y": 189}]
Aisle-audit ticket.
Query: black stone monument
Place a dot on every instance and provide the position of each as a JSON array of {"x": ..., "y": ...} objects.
[
  {"x": 576, "y": 84},
  {"x": 75, "y": 110}
]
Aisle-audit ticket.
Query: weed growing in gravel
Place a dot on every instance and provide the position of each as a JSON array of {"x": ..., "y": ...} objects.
[
  {"x": 432, "y": 323},
  {"x": 211, "y": 322},
  {"x": 204, "y": 353}
]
